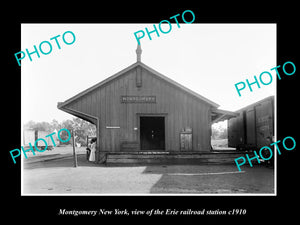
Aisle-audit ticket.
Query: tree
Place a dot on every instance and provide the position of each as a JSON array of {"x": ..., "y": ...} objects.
[
  {"x": 219, "y": 130},
  {"x": 55, "y": 125},
  {"x": 80, "y": 127},
  {"x": 68, "y": 124},
  {"x": 29, "y": 125},
  {"x": 42, "y": 126}
]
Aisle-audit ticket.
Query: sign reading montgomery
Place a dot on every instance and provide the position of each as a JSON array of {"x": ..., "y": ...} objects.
[{"x": 138, "y": 99}]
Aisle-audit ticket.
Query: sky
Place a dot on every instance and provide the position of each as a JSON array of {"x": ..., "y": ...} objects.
[{"x": 206, "y": 58}]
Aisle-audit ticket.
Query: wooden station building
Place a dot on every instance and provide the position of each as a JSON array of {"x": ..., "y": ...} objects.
[{"x": 141, "y": 110}]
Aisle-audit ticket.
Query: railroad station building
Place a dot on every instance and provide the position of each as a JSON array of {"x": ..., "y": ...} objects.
[{"x": 141, "y": 110}]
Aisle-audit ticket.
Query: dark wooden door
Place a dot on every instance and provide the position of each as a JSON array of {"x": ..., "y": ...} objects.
[{"x": 152, "y": 133}]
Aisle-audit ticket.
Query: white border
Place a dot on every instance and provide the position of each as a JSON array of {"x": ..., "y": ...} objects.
[{"x": 126, "y": 194}]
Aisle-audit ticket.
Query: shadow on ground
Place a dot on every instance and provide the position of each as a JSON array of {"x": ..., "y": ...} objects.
[
  {"x": 212, "y": 179},
  {"x": 151, "y": 178}
]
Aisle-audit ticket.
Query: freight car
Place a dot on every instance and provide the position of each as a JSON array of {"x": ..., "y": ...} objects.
[{"x": 253, "y": 128}]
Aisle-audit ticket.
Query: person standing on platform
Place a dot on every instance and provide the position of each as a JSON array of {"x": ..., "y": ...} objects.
[{"x": 92, "y": 157}]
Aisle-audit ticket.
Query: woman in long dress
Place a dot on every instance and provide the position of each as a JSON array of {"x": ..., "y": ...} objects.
[{"x": 92, "y": 157}]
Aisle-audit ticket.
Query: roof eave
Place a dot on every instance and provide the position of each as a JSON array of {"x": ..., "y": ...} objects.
[
  {"x": 221, "y": 115},
  {"x": 84, "y": 116}
]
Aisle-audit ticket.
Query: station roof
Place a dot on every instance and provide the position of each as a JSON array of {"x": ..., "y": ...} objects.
[
  {"x": 217, "y": 114},
  {"x": 122, "y": 72}
]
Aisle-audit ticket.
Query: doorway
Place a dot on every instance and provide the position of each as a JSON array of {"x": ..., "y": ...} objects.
[{"x": 152, "y": 132}]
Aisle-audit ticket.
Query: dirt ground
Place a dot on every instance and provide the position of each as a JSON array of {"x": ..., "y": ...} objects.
[{"x": 57, "y": 175}]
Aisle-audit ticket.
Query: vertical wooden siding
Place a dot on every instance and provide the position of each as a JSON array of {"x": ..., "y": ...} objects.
[{"x": 182, "y": 110}]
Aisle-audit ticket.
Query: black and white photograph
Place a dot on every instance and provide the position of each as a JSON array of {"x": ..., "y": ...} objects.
[
  {"x": 109, "y": 112},
  {"x": 138, "y": 113}
]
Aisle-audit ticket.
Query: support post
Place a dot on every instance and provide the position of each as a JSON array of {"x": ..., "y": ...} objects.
[{"x": 74, "y": 152}]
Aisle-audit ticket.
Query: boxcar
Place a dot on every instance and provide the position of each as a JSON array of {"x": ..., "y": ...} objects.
[{"x": 253, "y": 128}]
